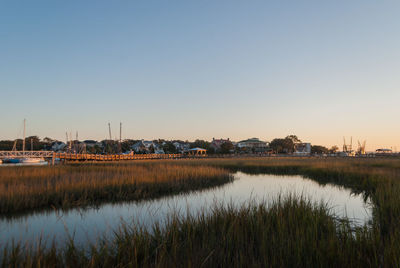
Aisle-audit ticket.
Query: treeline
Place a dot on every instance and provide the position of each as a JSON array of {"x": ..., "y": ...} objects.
[
  {"x": 31, "y": 142},
  {"x": 36, "y": 144},
  {"x": 288, "y": 145},
  {"x": 285, "y": 145}
]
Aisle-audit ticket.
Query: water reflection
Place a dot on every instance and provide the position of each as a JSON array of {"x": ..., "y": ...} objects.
[{"x": 87, "y": 225}]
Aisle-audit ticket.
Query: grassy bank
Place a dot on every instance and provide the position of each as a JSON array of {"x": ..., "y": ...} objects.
[
  {"x": 378, "y": 179},
  {"x": 290, "y": 233},
  {"x": 27, "y": 188}
]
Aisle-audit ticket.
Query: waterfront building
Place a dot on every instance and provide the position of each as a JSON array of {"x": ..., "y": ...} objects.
[
  {"x": 302, "y": 149},
  {"x": 217, "y": 143},
  {"x": 254, "y": 145}
]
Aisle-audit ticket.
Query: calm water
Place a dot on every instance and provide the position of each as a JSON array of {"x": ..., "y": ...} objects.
[{"x": 86, "y": 225}]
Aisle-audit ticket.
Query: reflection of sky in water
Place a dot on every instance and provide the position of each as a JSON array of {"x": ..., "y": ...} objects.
[{"x": 88, "y": 224}]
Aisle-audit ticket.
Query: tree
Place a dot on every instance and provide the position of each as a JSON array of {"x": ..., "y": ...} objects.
[
  {"x": 169, "y": 148},
  {"x": 226, "y": 147},
  {"x": 126, "y": 144},
  {"x": 318, "y": 149},
  {"x": 6, "y": 145},
  {"x": 96, "y": 149},
  {"x": 151, "y": 149},
  {"x": 33, "y": 141},
  {"x": 333, "y": 149},
  {"x": 48, "y": 140},
  {"x": 285, "y": 145},
  {"x": 277, "y": 145},
  {"x": 211, "y": 150},
  {"x": 109, "y": 146},
  {"x": 200, "y": 144},
  {"x": 293, "y": 138}
]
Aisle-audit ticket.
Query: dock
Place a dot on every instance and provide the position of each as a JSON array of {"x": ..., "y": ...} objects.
[{"x": 53, "y": 156}]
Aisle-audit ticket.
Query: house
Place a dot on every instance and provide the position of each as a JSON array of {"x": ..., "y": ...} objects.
[
  {"x": 217, "y": 143},
  {"x": 147, "y": 147},
  {"x": 181, "y": 146},
  {"x": 159, "y": 150},
  {"x": 302, "y": 149},
  {"x": 58, "y": 146},
  {"x": 143, "y": 146},
  {"x": 253, "y": 145}
]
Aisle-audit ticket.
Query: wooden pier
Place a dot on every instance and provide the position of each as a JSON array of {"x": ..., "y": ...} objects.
[
  {"x": 53, "y": 156},
  {"x": 29, "y": 154},
  {"x": 113, "y": 157}
]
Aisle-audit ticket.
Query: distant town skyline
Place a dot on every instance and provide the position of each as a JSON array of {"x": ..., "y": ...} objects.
[
  {"x": 200, "y": 69},
  {"x": 268, "y": 138}
]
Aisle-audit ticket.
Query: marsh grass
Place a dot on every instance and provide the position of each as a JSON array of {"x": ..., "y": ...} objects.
[
  {"x": 377, "y": 179},
  {"x": 290, "y": 233},
  {"x": 32, "y": 188}
]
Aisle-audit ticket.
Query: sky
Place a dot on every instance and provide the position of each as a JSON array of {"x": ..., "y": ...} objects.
[{"x": 190, "y": 70}]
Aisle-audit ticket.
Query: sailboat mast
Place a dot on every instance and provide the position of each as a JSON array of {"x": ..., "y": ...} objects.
[{"x": 23, "y": 141}]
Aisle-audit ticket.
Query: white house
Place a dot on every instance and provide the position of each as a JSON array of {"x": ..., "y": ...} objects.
[
  {"x": 302, "y": 149},
  {"x": 181, "y": 146},
  {"x": 253, "y": 144},
  {"x": 147, "y": 147},
  {"x": 58, "y": 146}
]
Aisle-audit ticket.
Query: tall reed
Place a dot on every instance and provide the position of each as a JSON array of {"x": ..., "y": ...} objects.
[
  {"x": 378, "y": 179},
  {"x": 25, "y": 188},
  {"x": 289, "y": 233},
  {"x": 292, "y": 232}
]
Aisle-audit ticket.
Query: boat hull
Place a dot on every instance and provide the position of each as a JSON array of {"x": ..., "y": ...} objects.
[
  {"x": 12, "y": 161},
  {"x": 31, "y": 160}
]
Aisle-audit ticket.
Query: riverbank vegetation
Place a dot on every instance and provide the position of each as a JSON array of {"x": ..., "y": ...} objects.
[
  {"x": 378, "y": 179},
  {"x": 291, "y": 232},
  {"x": 79, "y": 185}
]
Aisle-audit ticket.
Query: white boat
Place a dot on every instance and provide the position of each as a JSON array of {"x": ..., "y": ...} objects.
[
  {"x": 24, "y": 160},
  {"x": 28, "y": 160}
]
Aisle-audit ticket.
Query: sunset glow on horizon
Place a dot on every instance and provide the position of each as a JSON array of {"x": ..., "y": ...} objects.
[{"x": 202, "y": 69}]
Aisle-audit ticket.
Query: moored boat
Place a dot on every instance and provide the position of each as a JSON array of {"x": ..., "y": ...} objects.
[
  {"x": 12, "y": 160},
  {"x": 23, "y": 157},
  {"x": 31, "y": 160}
]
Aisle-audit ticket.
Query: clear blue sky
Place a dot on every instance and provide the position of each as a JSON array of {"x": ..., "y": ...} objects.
[{"x": 202, "y": 69}]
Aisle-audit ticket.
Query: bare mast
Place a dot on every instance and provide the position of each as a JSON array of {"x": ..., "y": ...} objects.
[
  {"x": 120, "y": 137},
  {"x": 23, "y": 141},
  {"x": 120, "y": 132}
]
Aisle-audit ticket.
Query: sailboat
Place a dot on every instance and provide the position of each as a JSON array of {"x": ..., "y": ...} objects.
[
  {"x": 24, "y": 160},
  {"x": 28, "y": 160}
]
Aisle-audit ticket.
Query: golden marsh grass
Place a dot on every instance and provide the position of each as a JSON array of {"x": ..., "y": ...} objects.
[
  {"x": 23, "y": 188},
  {"x": 290, "y": 233}
]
